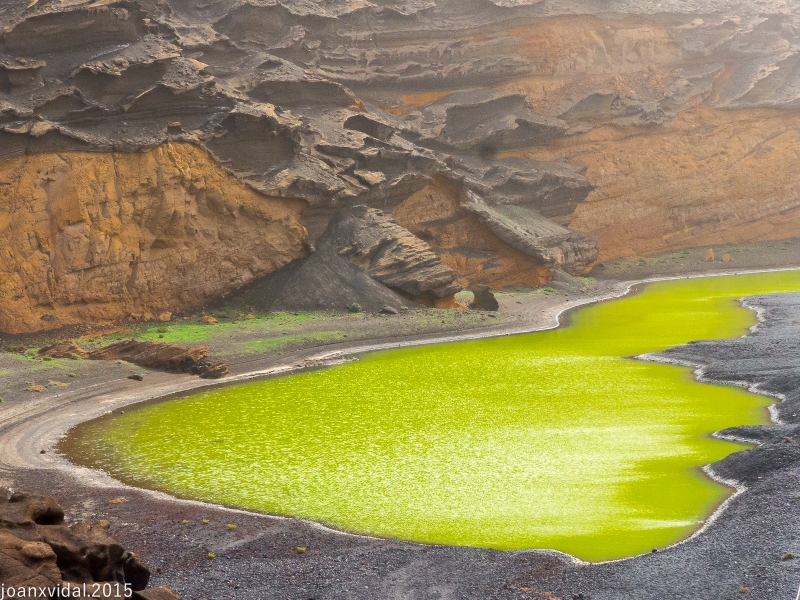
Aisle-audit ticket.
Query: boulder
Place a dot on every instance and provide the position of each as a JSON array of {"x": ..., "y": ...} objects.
[
  {"x": 484, "y": 298},
  {"x": 38, "y": 548},
  {"x": 389, "y": 253},
  {"x": 214, "y": 372}
]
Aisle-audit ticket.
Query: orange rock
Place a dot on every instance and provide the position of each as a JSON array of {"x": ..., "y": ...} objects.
[
  {"x": 654, "y": 195},
  {"x": 207, "y": 320},
  {"x": 93, "y": 237},
  {"x": 435, "y": 215},
  {"x": 727, "y": 258},
  {"x": 165, "y": 316}
]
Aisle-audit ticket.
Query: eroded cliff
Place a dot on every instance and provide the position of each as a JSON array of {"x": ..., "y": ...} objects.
[
  {"x": 512, "y": 137},
  {"x": 91, "y": 237}
]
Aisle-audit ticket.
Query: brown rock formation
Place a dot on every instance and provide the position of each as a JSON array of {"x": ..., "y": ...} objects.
[
  {"x": 164, "y": 356},
  {"x": 706, "y": 177},
  {"x": 153, "y": 355},
  {"x": 556, "y": 247},
  {"x": 391, "y": 254},
  {"x": 38, "y": 549},
  {"x": 465, "y": 244},
  {"x": 150, "y": 354},
  {"x": 95, "y": 237}
]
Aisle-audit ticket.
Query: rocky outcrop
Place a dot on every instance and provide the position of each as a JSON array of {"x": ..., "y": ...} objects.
[
  {"x": 554, "y": 246},
  {"x": 149, "y": 354},
  {"x": 153, "y": 355},
  {"x": 483, "y": 298},
  {"x": 464, "y": 243},
  {"x": 323, "y": 281},
  {"x": 63, "y": 349},
  {"x": 96, "y": 237},
  {"x": 390, "y": 254},
  {"x": 38, "y": 549},
  {"x": 707, "y": 177},
  {"x": 649, "y": 127},
  {"x": 162, "y": 356}
]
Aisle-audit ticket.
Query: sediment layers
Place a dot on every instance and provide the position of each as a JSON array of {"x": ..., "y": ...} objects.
[{"x": 568, "y": 132}]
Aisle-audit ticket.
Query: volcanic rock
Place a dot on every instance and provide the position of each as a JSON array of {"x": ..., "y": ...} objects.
[
  {"x": 465, "y": 244},
  {"x": 527, "y": 231},
  {"x": 323, "y": 281},
  {"x": 37, "y": 548},
  {"x": 484, "y": 298},
  {"x": 130, "y": 235},
  {"x": 153, "y": 355},
  {"x": 389, "y": 253},
  {"x": 214, "y": 372},
  {"x": 164, "y": 156}
]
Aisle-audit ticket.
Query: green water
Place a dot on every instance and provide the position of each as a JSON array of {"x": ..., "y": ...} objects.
[{"x": 545, "y": 440}]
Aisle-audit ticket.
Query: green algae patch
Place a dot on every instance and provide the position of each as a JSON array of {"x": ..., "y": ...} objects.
[{"x": 546, "y": 440}]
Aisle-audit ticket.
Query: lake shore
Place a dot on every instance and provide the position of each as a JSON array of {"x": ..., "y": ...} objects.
[{"x": 153, "y": 523}]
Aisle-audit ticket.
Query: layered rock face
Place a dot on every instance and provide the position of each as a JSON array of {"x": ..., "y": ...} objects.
[
  {"x": 391, "y": 254},
  {"x": 513, "y": 137},
  {"x": 95, "y": 237},
  {"x": 466, "y": 245}
]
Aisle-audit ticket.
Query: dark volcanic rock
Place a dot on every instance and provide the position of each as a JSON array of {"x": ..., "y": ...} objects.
[
  {"x": 323, "y": 281},
  {"x": 38, "y": 548},
  {"x": 214, "y": 372},
  {"x": 532, "y": 234},
  {"x": 484, "y": 298},
  {"x": 389, "y": 253}
]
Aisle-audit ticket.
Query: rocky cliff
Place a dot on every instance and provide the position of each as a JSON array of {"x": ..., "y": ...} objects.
[
  {"x": 90, "y": 237},
  {"x": 513, "y": 137}
]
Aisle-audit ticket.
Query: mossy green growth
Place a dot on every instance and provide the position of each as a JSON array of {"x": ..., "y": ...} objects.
[
  {"x": 547, "y": 440},
  {"x": 192, "y": 331}
]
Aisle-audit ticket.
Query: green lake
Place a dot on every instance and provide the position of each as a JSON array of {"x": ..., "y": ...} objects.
[{"x": 545, "y": 440}]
